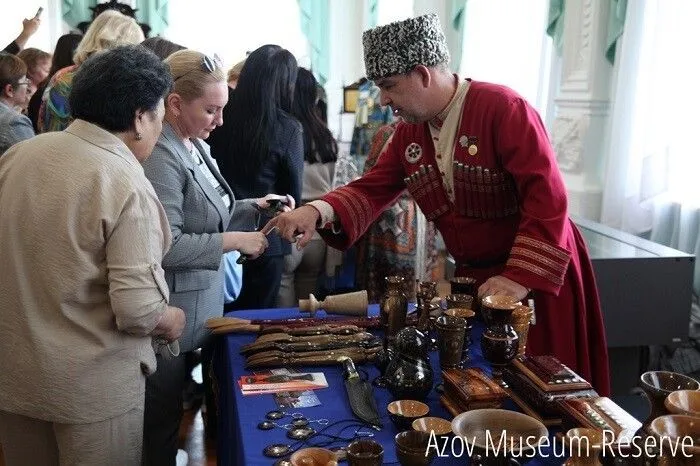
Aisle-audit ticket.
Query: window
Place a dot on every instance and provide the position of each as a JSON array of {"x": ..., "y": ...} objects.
[
  {"x": 11, "y": 25},
  {"x": 389, "y": 11},
  {"x": 505, "y": 43},
  {"x": 231, "y": 29}
]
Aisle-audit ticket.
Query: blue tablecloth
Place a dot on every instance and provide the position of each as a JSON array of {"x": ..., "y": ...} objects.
[{"x": 240, "y": 442}]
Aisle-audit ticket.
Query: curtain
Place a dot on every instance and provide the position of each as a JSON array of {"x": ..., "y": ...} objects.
[
  {"x": 75, "y": 12},
  {"x": 555, "y": 23},
  {"x": 651, "y": 181},
  {"x": 154, "y": 13},
  {"x": 455, "y": 32},
  {"x": 616, "y": 23},
  {"x": 372, "y": 9},
  {"x": 315, "y": 24}
]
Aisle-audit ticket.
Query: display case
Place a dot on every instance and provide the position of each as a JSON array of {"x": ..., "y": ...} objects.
[{"x": 645, "y": 288}]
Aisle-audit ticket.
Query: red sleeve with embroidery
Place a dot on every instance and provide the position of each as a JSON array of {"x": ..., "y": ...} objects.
[
  {"x": 538, "y": 258},
  {"x": 359, "y": 203}
]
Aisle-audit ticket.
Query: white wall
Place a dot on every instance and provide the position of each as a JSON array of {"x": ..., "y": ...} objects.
[
  {"x": 51, "y": 26},
  {"x": 230, "y": 29}
]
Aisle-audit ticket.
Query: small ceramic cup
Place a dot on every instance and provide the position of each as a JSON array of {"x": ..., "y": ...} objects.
[
  {"x": 450, "y": 332},
  {"x": 403, "y": 412},
  {"x": 441, "y": 427},
  {"x": 314, "y": 457},
  {"x": 412, "y": 448},
  {"x": 365, "y": 453}
]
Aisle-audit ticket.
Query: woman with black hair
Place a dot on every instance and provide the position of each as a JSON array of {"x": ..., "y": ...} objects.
[
  {"x": 62, "y": 57},
  {"x": 260, "y": 149},
  {"x": 83, "y": 291},
  {"x": 302, "y": 269}
]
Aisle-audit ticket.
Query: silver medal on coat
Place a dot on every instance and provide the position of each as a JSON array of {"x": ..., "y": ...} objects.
[{"x": 413, "y": 152}]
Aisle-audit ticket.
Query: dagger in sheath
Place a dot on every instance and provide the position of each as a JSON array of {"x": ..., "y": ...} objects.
[{"x": 360, "y": 395}]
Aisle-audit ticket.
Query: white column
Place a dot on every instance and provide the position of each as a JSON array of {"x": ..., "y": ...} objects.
[{"x": 582, "y": 106}]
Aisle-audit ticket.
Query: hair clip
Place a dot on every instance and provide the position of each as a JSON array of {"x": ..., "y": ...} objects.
[{"x": 211, "y": 64}]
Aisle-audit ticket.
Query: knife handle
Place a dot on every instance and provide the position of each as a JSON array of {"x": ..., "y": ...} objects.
[{"x": 349, "y": 368}]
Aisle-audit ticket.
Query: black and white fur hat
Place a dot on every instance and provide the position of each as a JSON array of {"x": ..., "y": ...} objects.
[{"x": 398, "y": 47}]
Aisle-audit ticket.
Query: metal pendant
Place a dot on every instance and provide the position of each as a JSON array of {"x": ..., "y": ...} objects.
[
  {"x": 300, "y": 433},
  {"x": 266, "y": 425},
  {"x": 276, "y": 450},
  {"x": 275, "y": 415},
  {"x": 282, "y": 462},
  {"x": 301, "y": 422}
]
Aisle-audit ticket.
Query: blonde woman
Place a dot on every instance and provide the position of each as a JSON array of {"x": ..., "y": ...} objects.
[
  {"x": 204, "y": 216},
  {"x": 110, "y": 29}
]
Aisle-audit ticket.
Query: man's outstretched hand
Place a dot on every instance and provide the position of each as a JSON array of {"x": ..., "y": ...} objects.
[{"x": 297, "y": 226}]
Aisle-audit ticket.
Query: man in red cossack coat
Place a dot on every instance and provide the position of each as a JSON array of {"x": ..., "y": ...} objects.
[{"x": 478, "y": 161}]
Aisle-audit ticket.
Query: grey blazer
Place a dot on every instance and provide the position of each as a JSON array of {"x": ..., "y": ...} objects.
[
  {"x": 14, "y": 127},
  {"x": 197, "y": 216}
]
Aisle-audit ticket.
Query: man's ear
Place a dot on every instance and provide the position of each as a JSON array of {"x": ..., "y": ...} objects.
[
  {"x": 424, "y": 74},
  {"x": 7, "y": 91}
]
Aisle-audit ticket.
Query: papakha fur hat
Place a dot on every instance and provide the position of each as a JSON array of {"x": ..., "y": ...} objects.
[{"x": 398, "y": 47}]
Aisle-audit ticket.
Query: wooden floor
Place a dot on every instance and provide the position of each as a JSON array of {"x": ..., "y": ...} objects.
[{"x": 201, "y": 452}]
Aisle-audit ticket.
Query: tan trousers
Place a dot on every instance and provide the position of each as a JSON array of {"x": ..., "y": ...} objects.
[
  {"x": 116, "y": 441},
  {"x": 301, "y": 272}
]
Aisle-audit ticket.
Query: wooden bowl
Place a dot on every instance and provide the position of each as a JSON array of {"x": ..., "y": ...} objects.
[
  {"x": 500, "y": 302},
  {"x": 672, "y": 427},
  {"x": 459, "y": 312},
  {"x": 314, "y": 457},
  {"x": 662, "y": 383},
  {"x": 522, "y": 430},
  {"x": 412, "y": 448},
  {"x": 403, "y": 412},
  {"x": 438, "y": 425},
  {"x": 685, "y": 402}
]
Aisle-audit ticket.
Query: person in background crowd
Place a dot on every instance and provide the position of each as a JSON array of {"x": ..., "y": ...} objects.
[
  {"x": 303, "y": 269},
  {"x": 14, "y": 97},
  {"x": 83, "y": 291},
  {"x": 260, "y": 149},
  {"x": 206, "y": 221},
  {"x": 29, "y": 28},
  {"x": 161, "y": 47},
  {"x": 38, "y": 66},
  {"x": 234, "y": 73},
  {"x": 110, "y": 29},
  {"x": 460, "y": 138},
  {"x": 62, "y": 57}
]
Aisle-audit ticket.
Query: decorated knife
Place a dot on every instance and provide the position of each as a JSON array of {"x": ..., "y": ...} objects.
[{"x": 360, "y": 395}]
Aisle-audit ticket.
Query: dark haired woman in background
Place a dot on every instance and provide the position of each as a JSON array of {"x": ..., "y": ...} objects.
[
  {"x": 260, "y": 150},
  {"x": 302, "y": 269},
  {"x": 161, "y": 47},
  {"x": 62, "y": 57}
]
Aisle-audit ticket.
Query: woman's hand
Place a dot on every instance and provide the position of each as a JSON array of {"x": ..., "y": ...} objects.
[
  {"x": 287, "y": 201},
  {"x": 251, "y": 244}
]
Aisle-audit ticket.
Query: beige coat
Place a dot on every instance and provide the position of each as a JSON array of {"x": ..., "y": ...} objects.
[{"x": 82, "y": 236}]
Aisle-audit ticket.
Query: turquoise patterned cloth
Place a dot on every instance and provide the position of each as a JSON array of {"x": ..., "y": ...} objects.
[{"x": 54, "y": 113}]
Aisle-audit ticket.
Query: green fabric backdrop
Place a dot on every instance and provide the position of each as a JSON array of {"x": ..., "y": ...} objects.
[
  {"x": 555, "y": 23},
  {"x": 616, "y": 24},
  {"x": 315, "y": 24},
  {"x": 152, "y": 12}
]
